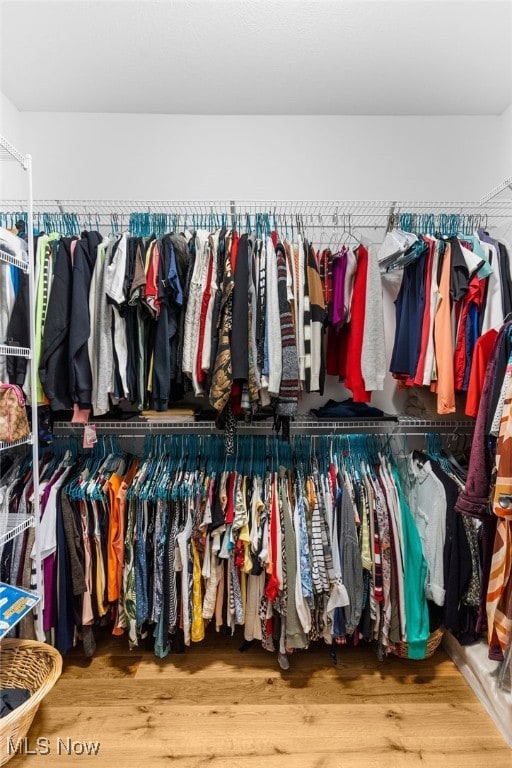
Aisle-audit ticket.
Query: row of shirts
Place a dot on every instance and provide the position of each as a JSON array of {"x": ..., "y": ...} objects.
[
  {"x": 347, "y": 552},
  {"x": 236, "y": 320},
  {"x": 452, "y": 291}
]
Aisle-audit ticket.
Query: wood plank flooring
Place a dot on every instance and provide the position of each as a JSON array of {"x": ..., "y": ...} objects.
[{"x": 214, "y": 706}]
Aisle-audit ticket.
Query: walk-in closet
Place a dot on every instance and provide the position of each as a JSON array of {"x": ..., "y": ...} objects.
[{"x": 256, "y": 383}]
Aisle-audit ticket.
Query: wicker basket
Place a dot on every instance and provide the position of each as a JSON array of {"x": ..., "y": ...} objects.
[
  {"x": 434, "y": 641},
  {"x": 25, "y": 664}
]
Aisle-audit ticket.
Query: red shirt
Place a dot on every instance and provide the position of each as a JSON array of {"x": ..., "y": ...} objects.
[
  {"x": 473, "y": 296},
  {"x": 234, "y": 251},
  {"x": 351, "y": 352},
  {"x": 272, "y": 585},
  {"x": 151, "y": 290},
  {"x": 481, "y": 356}
]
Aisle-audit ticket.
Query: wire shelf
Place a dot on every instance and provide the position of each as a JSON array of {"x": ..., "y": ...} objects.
[
  {"x": 445, "y": 425},
  {"x": 5, "y": 349},
  {"x": 505, "y": 185},
  {"x": 13, "y": 260},
  {"x": 329, "y": 207},
  {"x": 318, "y": 217},
  {"x": 402, "y": 425},
  {"x": 9, "y": 152},
  {"x": 15, "y": 444},
  {"x": 311, "y": 210},
  {"x": 16, "y": 524}
]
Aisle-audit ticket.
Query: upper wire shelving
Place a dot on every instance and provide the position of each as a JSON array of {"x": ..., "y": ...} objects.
[{"x": 314, "y": 214}]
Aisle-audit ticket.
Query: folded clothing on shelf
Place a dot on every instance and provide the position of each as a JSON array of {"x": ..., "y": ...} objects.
[
  {"x": 173, "y": 414},
  {"x": 347, "y": 409},
  {"x": 262, "y": 414}
]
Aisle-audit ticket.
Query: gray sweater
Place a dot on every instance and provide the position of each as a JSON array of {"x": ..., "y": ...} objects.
[
  {"x": 373, "y": 356},
  {"x": 351, "y": 563}
]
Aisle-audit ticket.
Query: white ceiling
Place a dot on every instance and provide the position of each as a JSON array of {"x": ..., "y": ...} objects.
[{"x": 404, "y": 57}]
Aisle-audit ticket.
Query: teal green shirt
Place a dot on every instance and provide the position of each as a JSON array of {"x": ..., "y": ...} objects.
[{"x": 417, "y": 624}]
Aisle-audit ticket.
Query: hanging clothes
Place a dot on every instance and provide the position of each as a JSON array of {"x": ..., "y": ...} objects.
[
  {"x": 409, "y": 306},
  {"x": 55, "y": 346},
  {"x": 487, "y": 495},
  {"x": 453, "y": 290},
  {"x": 355, "y": 338},
  {"x": 198, "y": 312},
  {"x": 293, "y": 549}
]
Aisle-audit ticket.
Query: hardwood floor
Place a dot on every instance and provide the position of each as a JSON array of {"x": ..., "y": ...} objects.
[{"x": 214, "y": 706}]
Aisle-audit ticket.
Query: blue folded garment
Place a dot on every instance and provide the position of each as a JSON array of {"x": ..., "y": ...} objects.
[
  {"x": 346, "y": 409},
  {"x": 11, "y": 698}
]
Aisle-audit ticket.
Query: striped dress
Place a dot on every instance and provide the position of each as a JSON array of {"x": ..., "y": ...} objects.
[{"x": 289, "y": 387}]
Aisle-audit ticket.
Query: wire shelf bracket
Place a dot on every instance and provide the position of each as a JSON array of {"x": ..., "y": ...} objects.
[
  {"x": 9, "y": 152},
  {"x": 15, "y": 526},
  {"x": 5, "y": 446},
  {"x": 5, "y": 349},
  {"x": 8, "y": 258}
]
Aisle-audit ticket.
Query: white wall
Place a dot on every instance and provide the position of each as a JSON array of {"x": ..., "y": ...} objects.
[
  {"x": 266, "y": 157},
  {"x": 11, "y": 122},
  {"x": 506, "y": 144},
  {"x": 12, "y": 178},
  {"x": 195, "y": 157}
]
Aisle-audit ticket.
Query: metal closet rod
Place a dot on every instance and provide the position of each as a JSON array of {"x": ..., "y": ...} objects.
[{"x": 317, "y": 207}]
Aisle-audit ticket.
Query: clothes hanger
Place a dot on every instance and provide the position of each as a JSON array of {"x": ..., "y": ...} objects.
[
  {"x": 351, "y": 234},
  {"x": 162, "y": 485},
  {"x": 166, "y": 477},
  {"x": 455, "y": 466},
  {"x": 90, "y": 489},
  {"x": 159, "y": 488},
  {"x": 147, "y": 472},
  {"x": 73, "y": 487},
  {"x": 180, "y": 470},
  {"x": 435, "y": 452}
]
